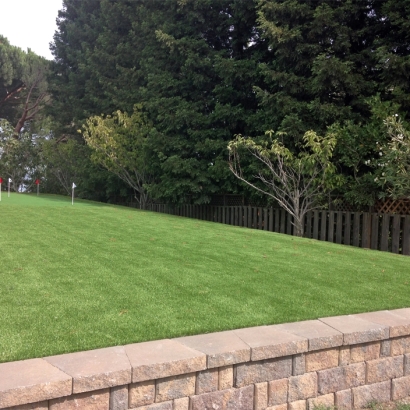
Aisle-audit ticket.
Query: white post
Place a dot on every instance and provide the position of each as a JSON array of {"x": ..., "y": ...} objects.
[
  {"x": 9, "y": 188},
  {"x": 38, "y": 188},
  {"x": 72, "y": 193}
]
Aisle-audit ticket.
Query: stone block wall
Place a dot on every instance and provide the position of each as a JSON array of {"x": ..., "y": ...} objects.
[{"x": 343, "y": 361}]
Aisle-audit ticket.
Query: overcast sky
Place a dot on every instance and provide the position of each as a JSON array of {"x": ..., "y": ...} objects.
[{"x": 30, "y": 23}]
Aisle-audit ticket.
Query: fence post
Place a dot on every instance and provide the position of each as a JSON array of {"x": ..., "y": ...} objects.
[
  {"x": 406, "y": 235},
  {"x": 395, "y": 234}
]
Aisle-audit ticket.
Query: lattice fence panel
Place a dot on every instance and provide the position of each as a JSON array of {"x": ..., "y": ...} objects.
[{"x": 391, "y": 206}]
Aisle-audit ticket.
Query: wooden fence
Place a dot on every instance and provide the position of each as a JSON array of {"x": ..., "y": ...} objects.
[{"x": 384, "y": 232}]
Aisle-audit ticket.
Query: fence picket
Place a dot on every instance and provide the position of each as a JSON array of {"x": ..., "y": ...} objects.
[
  {"x": 356, "y": 229},
  {"x": 384, "y": 243},
  {"x": 339, "y": 226},
  {"x": 395, "y": 234},
  {"x": 406, "y": 235}
]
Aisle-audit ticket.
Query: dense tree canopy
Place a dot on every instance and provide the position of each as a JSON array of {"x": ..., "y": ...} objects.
[{"x": 206, "y": 70}]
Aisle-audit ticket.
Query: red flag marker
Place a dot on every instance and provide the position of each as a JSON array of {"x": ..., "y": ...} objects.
[{"x": 37, "y": 182}]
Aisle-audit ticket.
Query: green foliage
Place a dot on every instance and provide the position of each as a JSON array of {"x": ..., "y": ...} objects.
[
  {"x": 20, "y": 159},
  {"x": 119, "y": 143},
  {"x": 296, "y": 182},
  {"x": 23, "y": 85},
  {"x": 393, "y": 164}
]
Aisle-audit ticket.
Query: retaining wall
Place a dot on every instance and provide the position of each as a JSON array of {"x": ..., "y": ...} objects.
[{"x": 343, "y": 361}]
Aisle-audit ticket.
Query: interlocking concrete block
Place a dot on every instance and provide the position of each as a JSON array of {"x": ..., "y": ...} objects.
[
  {"x": 400, "y": 346},
  {"x": 385, "y": 348},
  {"x": 356, "y": 330},
  {"x": 364, "y": 352},
  {"x": 344, "y": 355},
  {"x": 384, "y": 369},
  {"x": 319, "y": 335},
  {"x": 119, "y": 398},
  {"x": 221, "y": 348},
  {"x": 175, "y": 387},
  {"x": 321, "y": 359},
  {"x": 400, "y": 388},
  {"x": 378, "y": 392},
  {"x": 260, "y": 396},
  {"x": 341, "y": 378},
  {"x": 297, "y": 405},
  {"x": 225, "y": 378},
  {"x": 230, "y": 399},
  {"x": 31, "y": 381},
  {"x": 94, "y": 400},
  {"x": 398, "y": 321},
  {"x": 207, "y": 381},
  {"x": 298, "y": 364},
  {"x": 278, "y": 407},
  {"x": 268, "y": 342},
  {"x": 263, "y": 371},
  {"x": 95, "y": 369},
  {"x": 278, "y": 392},
  {"x": 302, "y": 387},
  {"x": 327, "y": 401},
  {"x": 32, "y": 406},
  {"x": 163, "y": 358},
  {"x": 181, "y": 404},
  {"x": 344, "y": 399},
  {"x": 166, "y": 405},
  {"x": 142, "y": 394},
  {"x": 406, "y": 364}
]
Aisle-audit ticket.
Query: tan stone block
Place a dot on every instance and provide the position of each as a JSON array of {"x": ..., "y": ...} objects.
[
  {"x": 175, "y": 387},
  {"x": 298, "y": 364},
  {"x": 319, "y": 335},
  {"x": 278, "y": 407},
  {"x": 278, "y": 392},
  {"x": 119, "y": 398},
  {"x": 385, "y": 348},
  {"x": 344, "y": 399},
  {"x": 341, "y": 378},
  {"x": 400, "y": 388},
  {"x": 263, "y": 371},
  {"x": 230, "y": 399},
  {"x": 261, "y": 396},
  {"x": 31, "y": 406},
  {"x": 356, "y": 330},
  {"x": 384, "y": 369},
  {"x": 31, "y": 381},
  {"x": 225, "y": 378},
  {"x": 297, "y": 405},
  {"x": 95, "y": 400},
  {"x": 163, "y": 358},
  {"x": 327, "y": 401},
  {"x": 141, "y": 394},
  {"x": 400, "y": 346},
  {"x": 166, "y": 405},
  {"x": 302, "y": 387},
  {"x": 344, "y": 355},
  {"x": 181, "y": 404},
  {"x": 406, "y": 364},
  {"x": 221, "y": 348},
  {"x": 378, "y": 392},
  {"x": 206, "y": 381},
  {"x": 322, "y": 359},
  {"x": 397, "y": 320},
  {"x": 364, "y": 352},
  {"x": 95, "y": 369},
  {"x": 268, "y": 342}
]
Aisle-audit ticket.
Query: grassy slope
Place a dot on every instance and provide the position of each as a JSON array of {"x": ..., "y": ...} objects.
[{"x": 90, "y": 275}]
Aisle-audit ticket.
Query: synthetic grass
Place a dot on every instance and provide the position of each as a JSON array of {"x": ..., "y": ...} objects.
[{"x": 92, "y": 275}]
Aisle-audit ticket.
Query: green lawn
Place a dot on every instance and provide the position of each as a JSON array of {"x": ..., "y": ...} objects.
[{"x": 92, "y": 275}]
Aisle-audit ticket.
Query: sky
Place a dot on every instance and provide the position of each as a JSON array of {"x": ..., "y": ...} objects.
[{"x": 30, "y": 23}]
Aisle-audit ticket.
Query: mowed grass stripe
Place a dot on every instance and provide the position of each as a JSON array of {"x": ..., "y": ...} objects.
[{"x": 93, "y": 275}]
